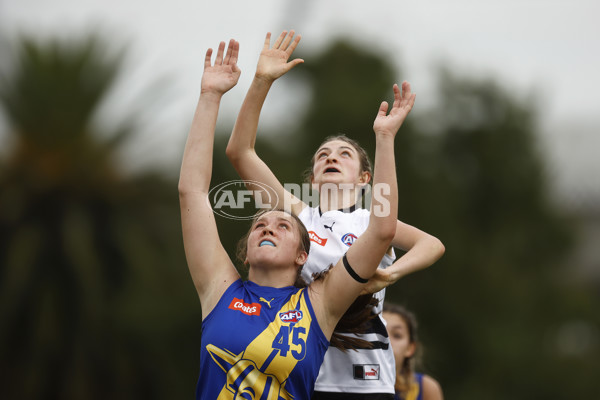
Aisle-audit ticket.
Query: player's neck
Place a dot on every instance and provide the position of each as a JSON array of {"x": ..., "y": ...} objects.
[
  {"x": 339, "y": 199},
  {"x": 272, "y": 277}
]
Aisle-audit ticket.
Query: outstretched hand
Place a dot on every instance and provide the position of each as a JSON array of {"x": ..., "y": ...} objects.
[
  {"x": 273, "y": 61},
  {"x": 403, "y": 102},
  {"x": 224, "y": 73},
  {"x": 380, "y": 280}
]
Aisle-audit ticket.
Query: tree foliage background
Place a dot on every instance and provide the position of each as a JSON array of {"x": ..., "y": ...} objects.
[{"x": 96, "y": 301}]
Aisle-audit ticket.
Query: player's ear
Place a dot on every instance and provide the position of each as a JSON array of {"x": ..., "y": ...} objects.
[
  {"x": 301, "y": 258},
  {"x": 364, "y": 177},
  {"x": 410, "y": 350}
]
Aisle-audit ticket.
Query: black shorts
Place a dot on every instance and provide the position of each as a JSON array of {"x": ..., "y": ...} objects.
[{"x": 351, "y": 396}]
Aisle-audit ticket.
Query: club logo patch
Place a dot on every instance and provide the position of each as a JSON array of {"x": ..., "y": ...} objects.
[
  {"x": 315, "y": 238},
  {"x": 366, "y": 372},
  {"x": 348, "y": 239},
  {"x": 246, "y": 308},
  {"x": 291, "y": 316}
]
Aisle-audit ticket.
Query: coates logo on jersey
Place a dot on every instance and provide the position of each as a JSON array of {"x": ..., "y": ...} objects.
[
  {"x": 348, "y": 239},
  {"x": 246, "y": 308},
  {"x": 315, "y": 238},
  {"x": 291, "y": 316}
]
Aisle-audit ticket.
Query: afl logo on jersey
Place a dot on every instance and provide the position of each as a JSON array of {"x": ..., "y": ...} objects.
[
  {"x": 291, "y": 316},
  {"x": 348, "y": 239}
]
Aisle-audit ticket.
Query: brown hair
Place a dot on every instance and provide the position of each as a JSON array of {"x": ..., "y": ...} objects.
[
  {"x": 405, "y": 377},
  {"x": 355, "y": 320},
  {"x": 365, "y": 162}
]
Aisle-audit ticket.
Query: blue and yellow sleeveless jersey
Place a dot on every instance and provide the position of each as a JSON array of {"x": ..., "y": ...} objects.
[{"x": 260, "y": 343}]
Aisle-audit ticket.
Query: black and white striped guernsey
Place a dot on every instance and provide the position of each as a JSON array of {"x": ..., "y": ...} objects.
[{"x": 365, "y": 370}]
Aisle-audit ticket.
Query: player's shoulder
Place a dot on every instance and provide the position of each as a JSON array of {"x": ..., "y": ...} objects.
[
  {"x": 359, "y": 216},
  {"x": 432, "y": 390},
  {"x": 363, "y": 212}
]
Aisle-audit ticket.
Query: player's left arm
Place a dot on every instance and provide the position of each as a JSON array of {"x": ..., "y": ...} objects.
[
  {"x": 332, "y": 296},
  {"x": 422, "y": 250}
]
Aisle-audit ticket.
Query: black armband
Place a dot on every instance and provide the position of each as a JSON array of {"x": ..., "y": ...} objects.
[{"x": 353, "y": 274}]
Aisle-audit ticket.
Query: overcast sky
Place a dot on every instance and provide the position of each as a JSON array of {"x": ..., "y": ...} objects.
[{"x": 545, "y": 47}]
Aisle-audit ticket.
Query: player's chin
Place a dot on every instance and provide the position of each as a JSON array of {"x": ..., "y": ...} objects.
[{"x": 333, "y": 177}]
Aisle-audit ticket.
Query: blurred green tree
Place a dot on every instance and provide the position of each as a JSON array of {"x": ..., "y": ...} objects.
[
  {"x": 91, "y": 261},
  {"x": 95, "y": 298}
]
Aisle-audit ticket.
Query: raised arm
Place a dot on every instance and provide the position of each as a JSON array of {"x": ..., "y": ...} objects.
[
  {"x": 211, "y": 269},
  {"x": 338, "y": 290},
  {"x": 272, "y": 63},
  {"x": 422, "y": 250}
]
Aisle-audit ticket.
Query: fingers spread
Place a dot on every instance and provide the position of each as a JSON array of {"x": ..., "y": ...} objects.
[
  {"x": 408, "y": 98},
  {"x": 406, "y": 94},
  {"x": 207, "y": 58},
  {"x": 404, "y": 98},
  {"x": 287, "y": 40},
  {"x": 279, "y": 40},
  {"x": 397, "y": 96},
  {"x": 267, "y": 41},
  {"x": 383, "y": 108},
  {"x": 294, "y": 44},
  {"x": 296, "y": 62},
  {"x": 229, "y": 52},
  {"x": 235, "y": 51},
  {"x": 219, "y": 59},
  {"x": 411, "y": 101},
  {"x": 406, "y": 87}
]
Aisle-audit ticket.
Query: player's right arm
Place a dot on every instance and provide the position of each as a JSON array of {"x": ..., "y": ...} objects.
[{"x": 272, "y": 64}]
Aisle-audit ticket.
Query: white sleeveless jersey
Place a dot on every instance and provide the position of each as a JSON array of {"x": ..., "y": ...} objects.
[{"x": 366, "y": 370}]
